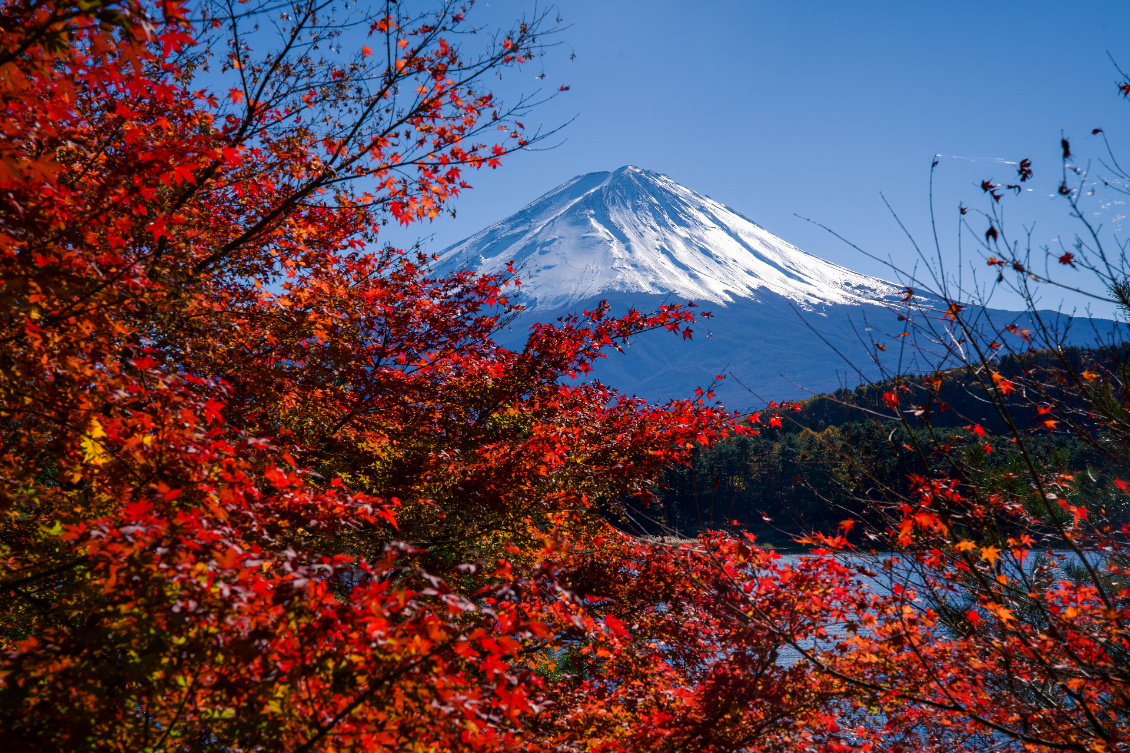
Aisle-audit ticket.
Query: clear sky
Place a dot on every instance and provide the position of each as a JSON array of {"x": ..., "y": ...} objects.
[{"x": 780, "y": 109}]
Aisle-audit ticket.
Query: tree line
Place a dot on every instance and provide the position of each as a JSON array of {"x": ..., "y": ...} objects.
[{"x": 815, "y": 469}]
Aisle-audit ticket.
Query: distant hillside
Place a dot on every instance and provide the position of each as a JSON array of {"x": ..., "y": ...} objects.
[{"x": 800, "y": 477}]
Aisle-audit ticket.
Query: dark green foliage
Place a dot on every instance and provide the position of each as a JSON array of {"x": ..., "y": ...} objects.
[{"x": 829, "y": 459}]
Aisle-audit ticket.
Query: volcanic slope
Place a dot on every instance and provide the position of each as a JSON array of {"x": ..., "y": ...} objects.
[{"x": 785, "y": 323}]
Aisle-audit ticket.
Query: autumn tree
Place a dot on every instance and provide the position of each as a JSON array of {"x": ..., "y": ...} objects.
[
  {"x": 999, "y": 598},
  {"x": 270, "y": 485}
]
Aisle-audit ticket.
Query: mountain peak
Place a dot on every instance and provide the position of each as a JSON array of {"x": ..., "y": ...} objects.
[{"x": 633, "y": 230}]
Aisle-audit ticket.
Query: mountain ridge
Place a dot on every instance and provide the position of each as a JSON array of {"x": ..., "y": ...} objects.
[
  {"x": 636, "y": 231},
  {"x": 786, "y": 324}
]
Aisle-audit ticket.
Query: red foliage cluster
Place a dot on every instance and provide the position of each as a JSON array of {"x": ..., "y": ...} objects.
[{"x": 267, "y": 488}]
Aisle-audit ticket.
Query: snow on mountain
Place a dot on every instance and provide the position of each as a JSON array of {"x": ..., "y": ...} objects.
[
  {"x": 785, "y": 323},
  {"x": 635, "y": 231}
]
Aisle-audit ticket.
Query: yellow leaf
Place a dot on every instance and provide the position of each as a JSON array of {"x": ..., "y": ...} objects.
[
  {"x": 96, "y": 431},
  {"x": 964, "y": 546},
  {"x": 92, "y": 450},
  {"x": 990, "y": 553}
]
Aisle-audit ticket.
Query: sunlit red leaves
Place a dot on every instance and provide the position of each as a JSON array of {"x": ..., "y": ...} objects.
[
  {"x": 1020, "y": 332},
  {"x": 167, "y": 394},
  {"x": 226, "y": 348},
  {"x": 228, "y": 412},
  {"x": 1004, "y": 385}
]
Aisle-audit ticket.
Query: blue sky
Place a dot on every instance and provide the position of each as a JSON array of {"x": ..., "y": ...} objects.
[{"x": 814, "y": 108}]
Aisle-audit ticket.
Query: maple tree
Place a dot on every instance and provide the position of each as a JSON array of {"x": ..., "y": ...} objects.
[
  {"x": 268, "y": 485},
  {"x": 999, "y": 603}
]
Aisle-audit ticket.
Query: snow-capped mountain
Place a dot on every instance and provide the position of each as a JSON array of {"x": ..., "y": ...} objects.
[
  {"x": 785, "y": 323},
  {"x": 635, "y": 231}
]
